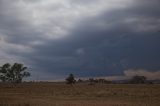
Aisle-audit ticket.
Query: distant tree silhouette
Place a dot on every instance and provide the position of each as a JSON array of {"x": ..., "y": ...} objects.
[
  {"x": 70, "y": 79},
  {"x": 138, "y": 80},
  {"x": 91, "y": 81},
  {"x": 104, "y": 81},
  {"x": 100, "y": 81},
  {"x": 13, "y": 73},
  {"x": 80, "y": 80}
]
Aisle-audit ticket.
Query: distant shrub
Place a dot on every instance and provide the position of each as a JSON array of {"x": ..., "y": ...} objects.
[
  {"x": 101, "y": 81},
  {"x": 138, "y": 80},
  {"x": 70, "y": 79}
]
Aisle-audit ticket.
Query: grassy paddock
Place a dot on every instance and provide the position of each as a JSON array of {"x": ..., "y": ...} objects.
[{"x": 59, "y": 94}]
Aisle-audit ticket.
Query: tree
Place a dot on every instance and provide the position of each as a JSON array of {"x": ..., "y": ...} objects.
[
  {"x": 138, "y": 80},
  {"x": 70, "y": 79},
  {"x": 92, "y": 81},
  {"x": 13, "y": 73},
  {"x": 80, "y": 80}
]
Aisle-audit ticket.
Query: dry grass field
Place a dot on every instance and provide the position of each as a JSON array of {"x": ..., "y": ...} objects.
[{"x": 59, "y": 94}]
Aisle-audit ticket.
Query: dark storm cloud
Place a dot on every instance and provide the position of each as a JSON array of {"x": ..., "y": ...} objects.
[
  {"x": 109, "y": 43},
  {"x": 100, "y": 45}
]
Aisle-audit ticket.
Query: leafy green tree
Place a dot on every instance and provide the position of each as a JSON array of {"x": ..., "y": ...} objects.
[
  {"x": 70, "y": 79},
  {"x": 13, "y": 73}
]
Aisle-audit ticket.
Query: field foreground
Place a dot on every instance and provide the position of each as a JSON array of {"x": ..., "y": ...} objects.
[{"x": 59, "y": 94}]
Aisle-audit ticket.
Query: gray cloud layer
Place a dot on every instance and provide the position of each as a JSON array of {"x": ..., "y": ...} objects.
[{"x": 93, "y": 38}]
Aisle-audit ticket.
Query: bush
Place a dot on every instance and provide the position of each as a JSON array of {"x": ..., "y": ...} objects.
[{"x": 70, "y": 79}]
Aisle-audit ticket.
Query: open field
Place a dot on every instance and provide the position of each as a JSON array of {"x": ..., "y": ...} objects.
[{"x": 59, "y": 94}]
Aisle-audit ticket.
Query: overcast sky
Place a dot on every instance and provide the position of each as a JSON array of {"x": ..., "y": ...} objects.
[{"x": 89, "y": 38}]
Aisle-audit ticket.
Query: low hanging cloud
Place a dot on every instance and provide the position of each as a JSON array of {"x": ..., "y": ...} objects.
[
  {"x": 130, "y": 73},
  {"x": 141, "y": 72}
]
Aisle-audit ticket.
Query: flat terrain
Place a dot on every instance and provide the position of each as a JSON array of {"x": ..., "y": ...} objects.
[{"x": 59, "y": 94}]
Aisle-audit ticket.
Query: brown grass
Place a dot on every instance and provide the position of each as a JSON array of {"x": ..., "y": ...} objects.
[{"x": 59, "y": 94}]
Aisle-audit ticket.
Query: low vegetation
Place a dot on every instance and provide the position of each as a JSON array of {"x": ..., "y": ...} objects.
[{"x": 70, "y": 79}]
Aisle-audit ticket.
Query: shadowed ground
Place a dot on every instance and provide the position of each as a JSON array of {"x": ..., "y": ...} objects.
[{"x": 60, "y": 94}]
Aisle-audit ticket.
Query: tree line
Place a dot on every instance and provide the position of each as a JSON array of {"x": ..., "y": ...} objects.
[
  {"x": 16, "y": 72},
  {"x": 91, "y": 81}
]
